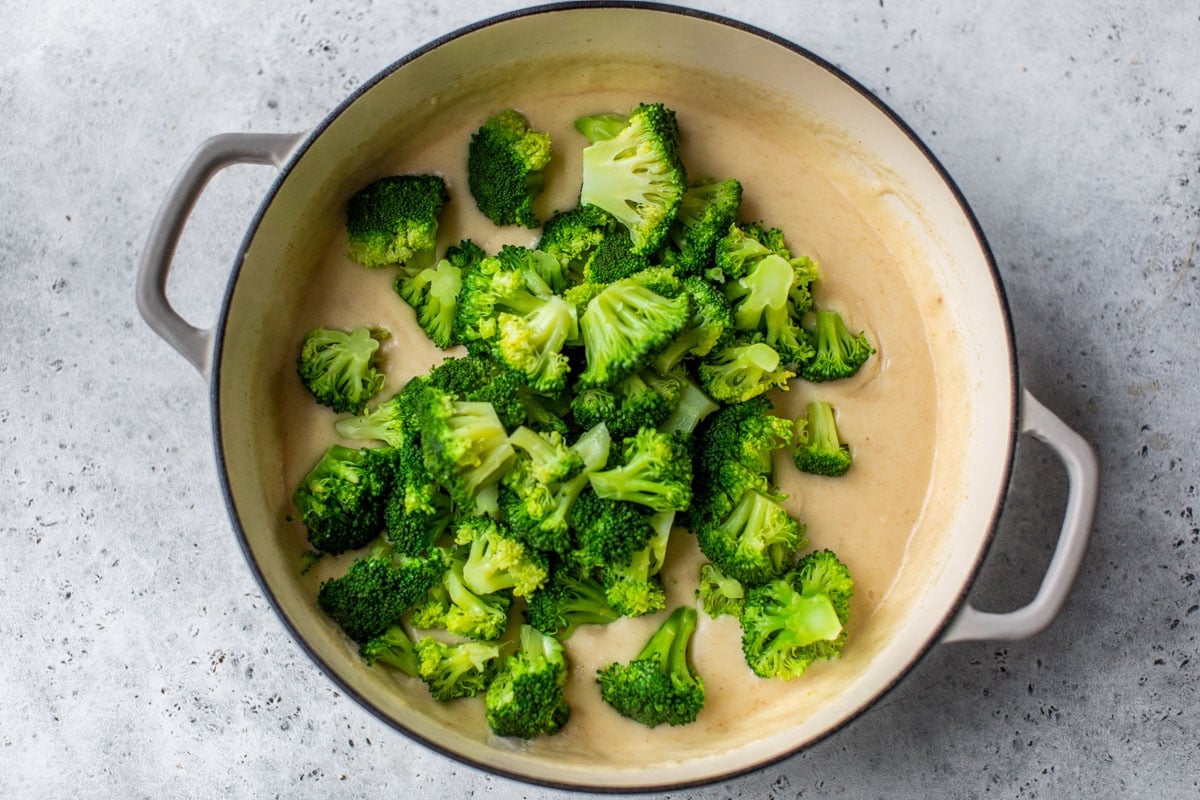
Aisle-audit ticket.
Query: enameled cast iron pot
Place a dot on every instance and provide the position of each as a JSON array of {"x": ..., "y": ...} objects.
[{"x": 236, "y": 356}]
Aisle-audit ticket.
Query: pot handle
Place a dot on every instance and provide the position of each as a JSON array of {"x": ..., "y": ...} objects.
[
  {"x": 1083, "y": 476},
  {"x": 213, "y": 155}
]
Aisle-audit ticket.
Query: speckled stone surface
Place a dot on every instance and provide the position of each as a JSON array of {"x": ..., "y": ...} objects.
[{"x": 139, "y": 657}]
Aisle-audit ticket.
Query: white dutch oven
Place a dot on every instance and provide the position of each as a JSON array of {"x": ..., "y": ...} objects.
[{"x": 241, "y": 358}]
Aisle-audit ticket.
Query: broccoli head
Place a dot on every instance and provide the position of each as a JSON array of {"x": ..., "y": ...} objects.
[
  {"x": 761, "y": 304},
  {"x": 433, "y": 291},
  {"x": 464, "y": 612},
  {"x": 632, "y": 586},
  {"x": 465, "y": 446},
  {"x": 531, "y": 344},
  {"x": 755, "y": 542},
  {"x": 393, "y": 648},
  {"x": 394, "y": 220},
  {"x": 741, "y": 371},
  {"x": 659, "y": 685},
  {"x": 418, "y": 510},
  {"x": 718, "y": 593},
  {"x": 711, "y": 325},
  {"x": 607, "y": 531},
  {"x": 637, "y": 175},
  {"x": 385, "y": 423},
  {"x": 655, "y": 471},
  {"x": 526, "y": 698},
  {"x": 819, "y": 450},
  {"x": 377, "y": 589},
  {"x": 505, "y": 164},
  {"x": 341, "y": 499},
  {"x": 462, "y": 669},
  {"x": 706, "y": 211},
  {"x": 642, "y": 400},
  {"x": 342, "y": 369},
  {"x": 839, "y": 353},
  {"x": 690, "y": 409},
  {"x": 510, "y": 281},
  {"x": 624, "y": 326},
  {"x": 496, "y": 561},
  {"x": 570, "y": 598},
  {"x": 797, "y": 618}
]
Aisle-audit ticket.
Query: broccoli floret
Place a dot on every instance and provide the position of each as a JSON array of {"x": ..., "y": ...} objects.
[
  {"x": 550, "y": 459},
  {"x": 718, "y": 593},
  {"x": 710, "y": 326},
  {"x": 742, "y": 247},
  {"x": 570, "y": 598},
  {"x": 572, "y": 236},
  {"x": 706, "y": 211},
  {"x": 376, "y": 589},
  {"x": 800, "y": 299},
  {"x": 538, "y": 511},
  {"x": 659, "y": 685},
  {"x": 745, "y": 432},
  {"x": 342, "y": 369},
  {"x": 632, "y": 586},
  {"x": 531, "y": 344},
  {"x": 637, "y": 175},
  {"x": 740, "y": 372},
  {"x": 614, "y": 258},
  {"x": 755, "y": 542},
  {"x": 655, "y": 471},
  {"x": 761, "y": 303},
  {"x": 385, "y": 423},
  {"x": 599, "y": 127},
  {"x": 497, "y": 562},
  {"x": 433, "y": 291},
  {"x": 510, "y": 282},
  {"x": 481, "y": 378},
  {"x": 418, "y": 510},
  {"x": 607, "y": 531},
  {"x": 690, "y": 409},
  {"x": 465, "y": 446},
  {"x": 505, "y": 163},
  {"x": 643, "y": 400},
  {"x": 526, "y": 698},
  {"x": 475, "y": 615},
  {"x": 798, "y": 618},
  {"x": 819, "y": 449},
  {"x": 456, "y": 670},
  {"x": 394, "y": 220},
  {"x": 839, "y": 352},
  {"x": 394, "y": 648},
  {"x": 626, "y": 325},
  {"x": 341, "y": 499}
]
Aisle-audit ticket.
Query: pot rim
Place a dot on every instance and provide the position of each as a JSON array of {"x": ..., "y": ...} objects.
[{"x": 952, "y": 609}]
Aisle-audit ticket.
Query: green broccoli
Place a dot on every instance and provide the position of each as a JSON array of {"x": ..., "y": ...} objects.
[
  {"x": 624, "y": 326},
  {"x": 508, "y": 282},
  {"x": 418, "y": 510},
  {"x": 659, "y": 685},
  {"x": 740, "y": 372},
  {"x": 465, "y": 446},
  {"x": 570, "y": 598},
  {"x": 599, "y": 127},
  {"x": 385, "y": 423},
  {"x": 718, "y": 593},
  {"x": 341, "y": 499},
  {"x": 394, "y": 220},
  {"x": 755, "y": 542},
  {"x": 462, "y": 669},
  {"x": 642, "y": 400},
  {"x": 797, "y": 618},
  {"x": 505, "y": 164},
  {"x": 819, "y": 449},
  {"x": 463, "y": 611},
  {"x": 614, "y": 258},
  {"x": 607, "y": 531},
  {"x": 632, "y": 586},
  {"x": 496, "y": 561},
  {"x": 531, "y": 344},
  {"x": 655, "y": 471},
  {"x": 572, "y": 237},
  {"x": 745, "y": 432},
  {"x": 637, "y": 175},
  {"x": 527, "y": 697},
  {"x": 342, "y": 369},
  {"x": 690, "y": 409},
  {"x": 839, "y": 353},
  {"x": 481, "y": 378},
  {"x": 742, "y": 247},
  {"x": 711, "y": 325},
  {"x": 706, "y": 211},
  {"x": 550, "y": 459},
  {"x": 433, "y": 291},
  {"x": 761, "y": 303},
  {"x": 393, "y": 648},
  {"x": 377, "y": 588}
]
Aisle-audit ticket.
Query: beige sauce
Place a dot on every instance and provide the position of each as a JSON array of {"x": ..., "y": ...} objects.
[{"x": 886, "y": 413}]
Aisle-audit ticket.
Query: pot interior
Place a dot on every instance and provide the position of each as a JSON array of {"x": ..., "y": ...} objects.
[{"x": 931, "y": 417}]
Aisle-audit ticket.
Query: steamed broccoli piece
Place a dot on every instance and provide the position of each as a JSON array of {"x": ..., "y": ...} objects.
[
  {"x": 570, "y": 598},
  {"x": 342, "y": 369},
  {"x": 718, "y": 593},
  {"x": 637, "y": 176},
  {"x": 761, "y": 303},
  {"x": 614, "y": 258},
  {"x": 839, "y": 352},
  {"x": 797, "y": 618},
  {"x": 341, "y": 499},
  {"x": 572, "y": 236},
  {"x": 385, "y": 423},
  {"x": 433, "y": 291},
  {"x": 465, "y": 446},
  {"x": 626, "y": 325},
  {"x": 394, "y": 220},
  {"x": 497, "y": 562},
  {"x": 476, "y": 615},
  {"x": 505, "y": 162},
  {"x": 659, "y": 685},
  {"x": 633, "y": 586},
  {"x": 755, "y": 542},
  {"x": 706, "y": 211},
  {"x": 527, "y": 698},
  {"x": 655, "y": 471},
  {"x": 819, "y": 449},
  {"x": 599, "y": 127},
  {"x": 800, "y": 300},
  {"x": 740, "y": 372},
  {"x": 538, "y": 511},
  {"x": 550, "y": 459},
  {"x": 509, "y": 281},
  {"x": 643, "y": 400},
  {"x": 393, "y": 648},
  {"x": 376, "y": 589},
  {"x": 531, "y": 344},
  {"x": 710, "y": 326},
  {"x": 456, "y": 670},
  {"x": 742, "y": 247},
  {"x": 481, "y": 378},
  {"x": 607, "y": 531},
  {"x": 690, "y": 409},
  {"x": 418, "y": 510},
  {"x": 745, "y": 432}
]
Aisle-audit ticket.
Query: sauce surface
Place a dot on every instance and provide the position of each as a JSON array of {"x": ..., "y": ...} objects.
[{"x": 887, "y": 413}]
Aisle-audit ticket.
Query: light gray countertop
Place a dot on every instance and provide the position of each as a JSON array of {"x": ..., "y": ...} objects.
[{"x": 140, "y": 658}]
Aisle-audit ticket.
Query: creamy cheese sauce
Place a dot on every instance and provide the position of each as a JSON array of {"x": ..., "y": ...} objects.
[{"x": 887, "y": 412}]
